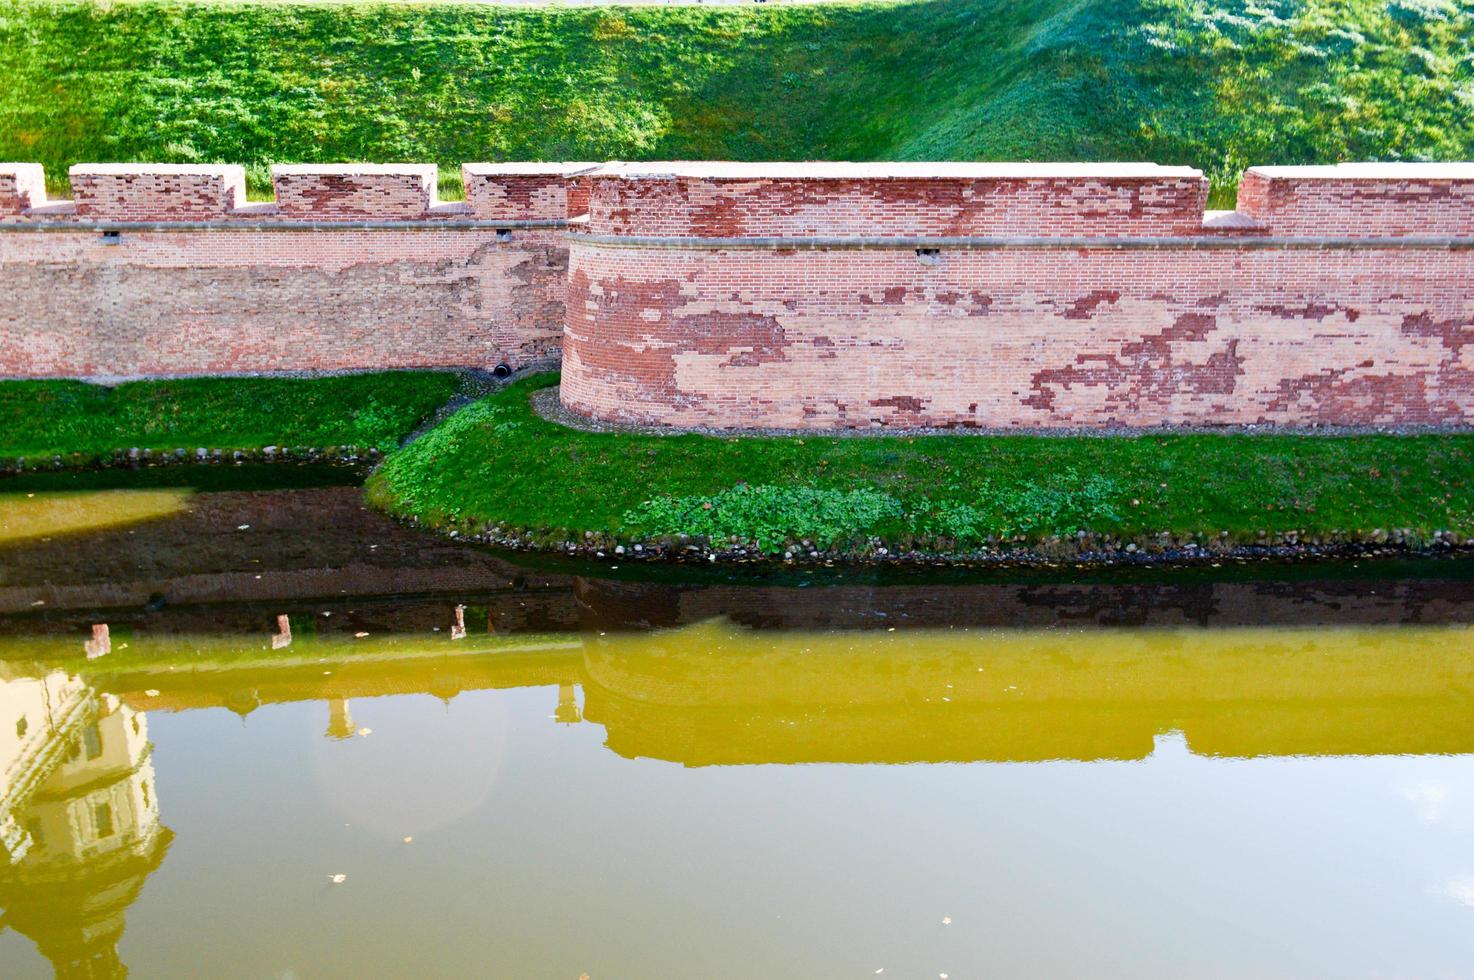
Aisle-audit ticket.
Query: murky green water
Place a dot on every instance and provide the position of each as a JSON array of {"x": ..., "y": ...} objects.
[{"x": 214, "y": 704}]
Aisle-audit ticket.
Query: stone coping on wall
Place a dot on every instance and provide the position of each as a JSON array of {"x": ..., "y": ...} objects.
[
  {"x": 1371, "y": 171},
  {"x": 901, "y": 170}
]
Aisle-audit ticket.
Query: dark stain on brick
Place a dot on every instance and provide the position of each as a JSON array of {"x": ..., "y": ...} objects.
[
  {"x": 1453, "y": 334},
  {"x": 1084, "y": 307},
  {"x": 645, "y": 358},
  {"x": 1310, "y": 311},
  {"x": 1146, "y": 372},
  {"x": 1331, "y": 397},
  {"x": 901, "y": 403},
  {"x": 750, "y": 338}
]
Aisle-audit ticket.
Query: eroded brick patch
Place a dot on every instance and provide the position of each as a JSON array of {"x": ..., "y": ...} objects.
[
  {"x": 234, "y": 302},
  {"x": 1065, "y": 339}
]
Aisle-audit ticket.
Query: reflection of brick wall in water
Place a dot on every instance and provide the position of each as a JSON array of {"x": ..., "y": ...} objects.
[
  {"x": 1022, "y": 605},
  {"x": 351, "y": 267}
]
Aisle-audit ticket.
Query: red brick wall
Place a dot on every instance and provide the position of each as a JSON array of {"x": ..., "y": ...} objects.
[
  {"x": 894, "y": 199},
  {"x": 125, "y": 192},
  {"x": 1217, "y": 324},
  {"x": 213, "y": 302},
  {"x": 818, "y": 296},
  {"x": 231, "y": 287},
  {"x": 352, "y": 191},
  {"x": 21, "y": 186},
  {"x": 525, "y": 191},
  {"x": 1361, "y": 200}
]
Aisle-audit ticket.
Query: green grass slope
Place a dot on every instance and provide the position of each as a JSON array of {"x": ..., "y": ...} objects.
[
  {"x": 498, "y": 463},
  {"x": 1214, "y": 83},
  {"x": 41, "y": 419}
]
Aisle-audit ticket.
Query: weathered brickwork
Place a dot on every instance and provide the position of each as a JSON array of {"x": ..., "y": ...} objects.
[
  {"x": 120, "y": 192},
  {"x": 779, "y": 295},
  {"x": 1361, "y": 200},
  {"x": 1139, "y": 323},
  {"x": 210, "y": 302},
  {"x": 22, "y": 185},
  {"x": 346, "y": 192},
  {"x": 169, "y": 271},
  {"x": 896, "y": 199},
  {"x": 521, "y": 191}
]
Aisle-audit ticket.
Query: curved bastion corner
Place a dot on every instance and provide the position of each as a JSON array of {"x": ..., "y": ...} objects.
[
  {"x": 809, "y": 296},
  {"x": 824, "y": 296}
]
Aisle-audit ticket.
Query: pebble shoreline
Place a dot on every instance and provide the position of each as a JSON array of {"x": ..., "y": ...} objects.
[{"x": 1084, "y": 548}]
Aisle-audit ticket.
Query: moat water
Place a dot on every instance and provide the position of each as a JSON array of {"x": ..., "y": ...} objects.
[{"x": 266, "y": 733}]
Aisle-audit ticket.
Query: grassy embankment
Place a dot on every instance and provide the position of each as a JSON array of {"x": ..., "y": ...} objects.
[
  {"x": 86, "y": 424},
  {"x": 498, "y": 467},
  {"x": 1215, "y": 83}
]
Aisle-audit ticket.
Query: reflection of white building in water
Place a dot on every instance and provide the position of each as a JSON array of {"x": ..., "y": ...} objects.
[{"x": 79, "y": 820}]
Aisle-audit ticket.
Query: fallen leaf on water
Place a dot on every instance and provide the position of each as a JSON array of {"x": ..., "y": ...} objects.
[{"x": 337, "y": 879}]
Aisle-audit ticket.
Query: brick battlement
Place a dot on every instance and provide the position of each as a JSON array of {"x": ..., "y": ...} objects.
[
  {"x": 523, "y": 191},
  {"x": 796, "y": 295},
  {"x": 1361, "y": 200},
  {"x": 316, "y": 193},
  {"x": 896, "y": 200},
  {"x": 162, "y": 192},
  {"x": 22, "y": 187},
  {"x": 784, "y": 200}
]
